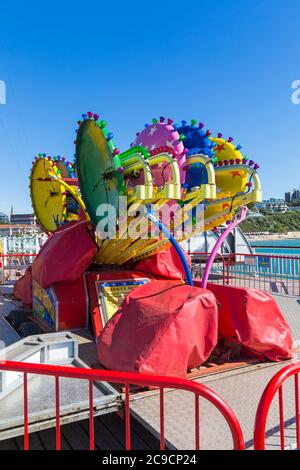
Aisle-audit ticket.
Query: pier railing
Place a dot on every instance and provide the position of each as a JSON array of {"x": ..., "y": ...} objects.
[
  {"x": 277, "y": 274},
  {"x": 162, "y": 383},
  {"x": 13, "y": 266},
  {"x": 272, "y": 390}
]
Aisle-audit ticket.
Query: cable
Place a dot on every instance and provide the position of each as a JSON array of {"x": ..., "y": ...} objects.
[
  {"x": 245, "y": 192},
  {"x": 176, "y": 246}
]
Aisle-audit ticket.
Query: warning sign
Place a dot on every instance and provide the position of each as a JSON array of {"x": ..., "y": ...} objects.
[{"x": 264, "y": 261}]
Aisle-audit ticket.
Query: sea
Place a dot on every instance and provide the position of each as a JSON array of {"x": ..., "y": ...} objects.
[
  {"x": 277, "y": 247},
  {"x": 287, "y": 266}
]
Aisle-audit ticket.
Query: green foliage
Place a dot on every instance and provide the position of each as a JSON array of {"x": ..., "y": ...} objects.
[{"x": 273, "y": 223}]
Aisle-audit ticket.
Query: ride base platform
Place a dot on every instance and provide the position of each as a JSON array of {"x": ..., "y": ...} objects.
[{"x": 239, "y": 382}]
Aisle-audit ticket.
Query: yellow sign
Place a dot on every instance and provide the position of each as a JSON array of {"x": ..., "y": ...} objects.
[
  {"x": 44, "y": 303},
  {"x": 111, "y": 295}
]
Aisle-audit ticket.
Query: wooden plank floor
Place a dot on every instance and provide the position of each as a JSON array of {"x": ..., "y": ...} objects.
[{"x": 109, "y": 435}]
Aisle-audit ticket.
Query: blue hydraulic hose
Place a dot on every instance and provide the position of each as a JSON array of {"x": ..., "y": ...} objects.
[{"x": 176, "y": 245}]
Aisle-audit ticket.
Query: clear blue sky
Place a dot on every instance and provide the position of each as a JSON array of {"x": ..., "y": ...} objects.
[{"x": 229, "y": 63}]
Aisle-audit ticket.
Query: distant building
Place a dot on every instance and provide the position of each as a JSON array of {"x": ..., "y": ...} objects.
[
  {"x": 22, "y": 219},
  {"x": 291, "y": 196},
  {"x": 4, "y": 219},
  {"x": 8, "y": 230},
  {"x": 295, "y": 194},
  {"x": 273, "y": 205},
  {"x": 288, "y": 196}
]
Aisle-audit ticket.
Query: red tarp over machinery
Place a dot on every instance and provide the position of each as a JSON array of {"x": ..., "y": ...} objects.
[
  {"x": 65, "y": 256},
  {"x": 161, "y": 328},
  {"x": 164, "y": 263},
  {"x": 23, "y": 289},
  {"x": 252, "y": 318}
]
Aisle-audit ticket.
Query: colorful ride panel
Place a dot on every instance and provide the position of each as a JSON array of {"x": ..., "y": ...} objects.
[
  {"x": 174, "y": 168},
  {"x": 54, "y": 193}
]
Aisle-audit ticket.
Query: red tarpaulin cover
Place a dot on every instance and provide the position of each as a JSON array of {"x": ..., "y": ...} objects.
[
  {"x": 23, "y": 289},
  {"x": 165, "y": 263},
  {"x": 160, "y": 328},
  {"x": 65, "y": 256},
  {"x": 252, "y": 318}
]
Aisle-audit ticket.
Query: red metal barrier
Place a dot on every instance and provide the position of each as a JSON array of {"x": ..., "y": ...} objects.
[
  {"x": 274, "y": 386},
  {"x": 199, "y": 390},
  {"x": 198, "y": 261},
  {"x": 13, "y": 266},
  {"x": 272, "y": 273}
]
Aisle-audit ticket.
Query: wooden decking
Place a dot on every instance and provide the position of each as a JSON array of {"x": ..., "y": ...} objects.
[
  {"x": 109, "y": 435},
  {"x": 233, "y": 386}
]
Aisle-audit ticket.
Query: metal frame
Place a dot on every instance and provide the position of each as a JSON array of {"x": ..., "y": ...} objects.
[
  {"x": 87, "y": 301},
  {"x": 54, "y": 349},
  {"x": 238, "y": 218},
  {"x": 236, "y": 273},
  {"x": 126, "y": 378},
  {"x": 276, "y": 385}
]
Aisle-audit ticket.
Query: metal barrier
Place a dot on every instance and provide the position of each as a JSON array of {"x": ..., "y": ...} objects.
[
  {"x": 13, "y": 266},
  {"x": 198, "y": 262},
  {"x": 272, "y": 273},
  {"x": 91, "y": 375},
  {"x": 274, "y": 386}
]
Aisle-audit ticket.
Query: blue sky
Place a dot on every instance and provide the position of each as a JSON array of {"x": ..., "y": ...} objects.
[{"x": 228, "y": 63}]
